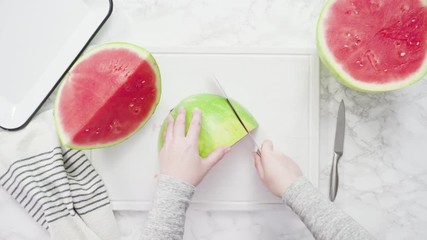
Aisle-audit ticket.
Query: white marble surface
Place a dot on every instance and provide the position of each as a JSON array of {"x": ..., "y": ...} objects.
[{"x": 384, "y": 168}]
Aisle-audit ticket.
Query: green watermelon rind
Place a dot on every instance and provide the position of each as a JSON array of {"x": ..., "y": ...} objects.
[
  {"x": 209, "y": 141},
  {"x": 338, "y": 72},
  {"x": 144, "y": 54}
]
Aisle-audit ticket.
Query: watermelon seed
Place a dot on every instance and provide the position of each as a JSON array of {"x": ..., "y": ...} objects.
[
  {"x": 131, "y": 105},
  {"x": 358, "y": 41},
  {"x": 385, "y": 70},
  {"x": 87, "y": 130},
  {"x": 141, "y": 98},
  {"x": 97, "y": 131},
  {"x": 137, "y": 110},
  {"x": 402, "y": 54},
  {"x": 143, "y": 81},
  {"x": 360, "y": 63}
]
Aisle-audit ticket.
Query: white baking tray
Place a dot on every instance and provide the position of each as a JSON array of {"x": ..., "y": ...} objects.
[
  {"x": 280, "y": 87},
  {"x": 39, "y": 41}
]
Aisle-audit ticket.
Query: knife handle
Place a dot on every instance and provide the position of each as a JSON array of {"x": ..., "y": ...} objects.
[{"x": 333, "y": 187}]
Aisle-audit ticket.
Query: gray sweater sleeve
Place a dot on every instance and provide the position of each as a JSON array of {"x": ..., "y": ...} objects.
[
  {"x": 166, "y": 220},
  {"x": 324, "y": 220}
]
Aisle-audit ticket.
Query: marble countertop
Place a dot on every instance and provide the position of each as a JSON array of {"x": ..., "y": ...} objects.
[{"x": 383, "y": 172}]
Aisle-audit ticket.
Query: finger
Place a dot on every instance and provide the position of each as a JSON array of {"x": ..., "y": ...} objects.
[
  {"x": 267, "y": 146},
  {"x": 216, "y": 156},
  {"x": 179, "y": 127},
  {"x": 258, "y": 165},
  {"x": 195, "y": 125},
  {"x": 169, "y": 130}
]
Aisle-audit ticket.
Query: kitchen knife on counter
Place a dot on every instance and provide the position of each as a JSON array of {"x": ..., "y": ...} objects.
[
  {"x": 338, "y": 151},
  {"x": 258, "y": 151}
]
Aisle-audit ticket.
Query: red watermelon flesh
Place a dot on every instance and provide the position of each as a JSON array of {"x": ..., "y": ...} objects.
[
  {"x": 107, "y": 96},
  {"x": 374, "y": 41}
]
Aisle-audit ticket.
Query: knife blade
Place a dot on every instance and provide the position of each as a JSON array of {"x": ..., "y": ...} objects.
[
  {"x": 258, "y": 151},
  {"x": 338, "y": 151}
]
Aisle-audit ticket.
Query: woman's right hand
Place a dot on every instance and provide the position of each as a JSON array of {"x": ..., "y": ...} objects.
[
  {"x": 179, "y": 156},
  {"x": 276, "y": 170}
]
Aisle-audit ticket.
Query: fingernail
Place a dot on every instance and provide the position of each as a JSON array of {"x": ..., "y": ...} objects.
[{"x": 181, "y": 109}]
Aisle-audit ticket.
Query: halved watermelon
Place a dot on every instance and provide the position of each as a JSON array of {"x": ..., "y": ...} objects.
[
  {"x": 374, "y": 45},
  {"x": 108, "y": 95}
]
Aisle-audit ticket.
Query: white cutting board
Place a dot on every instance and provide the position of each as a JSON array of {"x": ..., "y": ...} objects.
[{"x": 279, "y": 87}]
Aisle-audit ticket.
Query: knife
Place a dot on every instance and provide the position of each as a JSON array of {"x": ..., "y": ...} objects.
[
  {"x": 258, "y": 151},
  {"x": 338, "y": 151}
]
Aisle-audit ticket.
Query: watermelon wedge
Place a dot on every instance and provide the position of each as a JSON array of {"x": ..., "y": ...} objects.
[
  {"x": 220, "y": 126},
  {"x": 374, "y": 45},
  {"x": 107, "y": 96}
]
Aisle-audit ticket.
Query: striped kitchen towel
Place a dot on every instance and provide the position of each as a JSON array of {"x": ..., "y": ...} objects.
[{"x": 58, "y": 187}]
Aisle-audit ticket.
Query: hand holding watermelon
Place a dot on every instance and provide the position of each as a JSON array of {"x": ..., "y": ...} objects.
[{"x": 179, "y": 156}]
